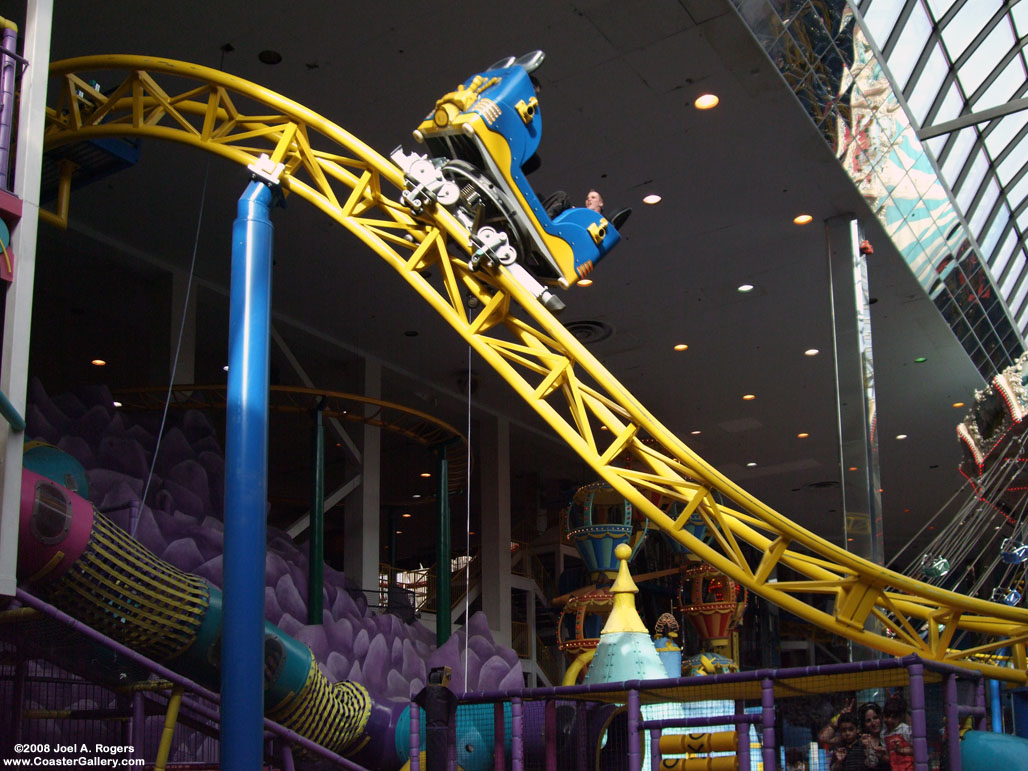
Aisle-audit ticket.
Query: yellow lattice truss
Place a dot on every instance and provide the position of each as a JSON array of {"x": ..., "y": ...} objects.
[{"x": 535, "y": 354}]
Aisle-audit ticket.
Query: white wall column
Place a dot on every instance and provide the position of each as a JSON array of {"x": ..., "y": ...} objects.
[
  {"x": 18, "y": 310},
  {"x": 363, "y": 511},
  {"x": 494, "y": 452}
]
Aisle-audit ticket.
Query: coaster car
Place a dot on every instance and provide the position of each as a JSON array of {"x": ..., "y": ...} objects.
[{"x": 478, "y": 141}]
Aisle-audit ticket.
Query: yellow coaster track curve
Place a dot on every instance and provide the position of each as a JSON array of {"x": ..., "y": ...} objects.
[{"x": 535, "y": 354}]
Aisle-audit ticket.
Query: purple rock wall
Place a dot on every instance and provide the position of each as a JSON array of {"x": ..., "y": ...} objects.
[{"x": 181, "y": 522}]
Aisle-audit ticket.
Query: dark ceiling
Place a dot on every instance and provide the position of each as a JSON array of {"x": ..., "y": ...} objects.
[{"x": 617, "y": 90}]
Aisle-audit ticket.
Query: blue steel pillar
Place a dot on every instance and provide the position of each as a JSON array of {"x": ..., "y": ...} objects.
[{"x": 246, "y": 483}]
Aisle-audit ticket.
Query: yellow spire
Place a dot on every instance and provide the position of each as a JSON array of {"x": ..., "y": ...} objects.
[{"x": 624, "y": 617}]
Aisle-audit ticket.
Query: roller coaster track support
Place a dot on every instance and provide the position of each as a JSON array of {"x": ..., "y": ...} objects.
[{"x": 543, "y": 362}]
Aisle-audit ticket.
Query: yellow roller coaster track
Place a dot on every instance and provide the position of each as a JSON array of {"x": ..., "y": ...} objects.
[{"x": 536, "y": 355}]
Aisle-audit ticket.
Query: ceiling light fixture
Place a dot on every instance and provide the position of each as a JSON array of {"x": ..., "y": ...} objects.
[
  {"x": 811, "y": 352},
  {"x": 751, "y": 464},
  {"x": 958, "y": 404},
  {"x": 749, "y": 397},
  {"x": 269, "y": 56},
  {"x": 425, "y": 474},
  {"x": 706, "y": 101},
  {"x": 407, "y": 515},
  {"x": 802, "y": 219},
  {"x": 225, "y": 368},
  {"x": 901, "y": 436},
  {"x": 802, "y": 435},
  {"x": 98, "y": 363},
  {"x": 585, "y": 282},
  {"x": 744, "y": 288},
  {"x": 681, "y": 347},
  {"x": 117, "y": 404},
  {"x": 696, "y": 433},
  {"x": 920, "y": 360},
  {"x": 652, "y": 199}
]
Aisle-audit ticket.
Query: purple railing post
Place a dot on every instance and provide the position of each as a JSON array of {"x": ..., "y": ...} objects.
[
  {"x": 550, "y": 718},
  {"x": 499, "y": 753},
  {"x": 138, "y": 724},
  {"x": 952, "y": 712},
  {"x": 918, "y": 718},
  {"x": 654, "y": 749},
  {"x": 581, "y": 736},
  {"x": 415, "y": 736},
  {"x": 982, "y": 724},
  {"x": 742, "y": 730},
  {"x": 287, "y": 758},
  {"x": 634, "y": 718},
  {"x": 18, "y": 699},
  {"x": 517, "y": 736},
  {"x": 767, "y": 716}
]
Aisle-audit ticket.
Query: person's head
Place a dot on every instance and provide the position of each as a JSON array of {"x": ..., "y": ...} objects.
[
  {"x": 871, "y": 717},
  {"x": 594, "y": 201},
  {"x": 894, "y": 713},
  {"x": 846, "y": 726}
]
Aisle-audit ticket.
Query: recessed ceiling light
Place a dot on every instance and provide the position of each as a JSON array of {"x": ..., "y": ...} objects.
[
  {"x": 399, "y": 532},
  {"x": 852, "y": 468},
  {"x": 225, "y": 368},
  {"x": 802, "y": 219},
  {"x": 407, "y": 515},
  {"x": 696, "y": 433},
  {"x": 958, "y": 404},
  {"x": 802, "y": 435},
  {"x": 706, "y": 101},
  {"x": 585, "y": 282},
  {"x": 749, "y": 397},
  {"x": 920, "y": 359},
  {"x": 811, "y": 352},
  {"x": 416, "y": 495},
  {"x": 751, "y": 464},
  {"x": 98, "y": 363},
  {"x": 652, "y": 199},
  {"x": 425, "y": 474},
  {"x": 744, "y": 288},
  {"x": 901, "y": 436},
  {"x": 681, "y": 347},
  {"x": 117, "y": 404}
]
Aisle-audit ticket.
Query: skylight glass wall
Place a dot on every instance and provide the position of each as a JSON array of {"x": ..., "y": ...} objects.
[{"x": 952, "y": 192}]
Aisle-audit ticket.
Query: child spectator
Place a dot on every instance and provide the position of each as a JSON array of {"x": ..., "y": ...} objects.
[
  {"x": 855, "y": 751},
  {"x": 897, "y": 735}
]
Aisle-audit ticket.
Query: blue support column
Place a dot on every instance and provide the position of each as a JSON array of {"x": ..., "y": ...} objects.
[{"x": 246, "y": 483}]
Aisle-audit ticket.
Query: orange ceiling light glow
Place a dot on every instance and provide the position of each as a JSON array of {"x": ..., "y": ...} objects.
[
  {"x": 958, "y": 404},
  {"x": 802, "y": 219},
  {"x": 425, "y": 474},
  {"x": 681, "y": 347},
  {"x": 706, "y": 101},
  {"x": 802, "y": 435},
  {"x": 585, "y": 282},
  {"x": 749, "y": 397}
]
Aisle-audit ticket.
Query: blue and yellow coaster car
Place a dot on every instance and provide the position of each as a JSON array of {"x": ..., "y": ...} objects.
[{"x": 492, "y": 124}]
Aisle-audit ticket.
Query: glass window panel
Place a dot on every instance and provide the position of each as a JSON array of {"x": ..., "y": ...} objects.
[
  {"x": 1003, "y": 131},
  {"x": 923, "y": 91},
  {"x": 1003, "y": 253},
  {"x": 1005, "y": 86},
  {"x": 911, "y": 43},
  {"x": 1019, "y": 13},
  {"x": 968, "y": 22},
  {"x": 952, "y": 105},
  {"x": 973, "y": 180},
  {"x": 991, "y": 238},
  {"x": 986, "y": 57},
  {"x": 1022, "y": 220},
  {"x": 881, "y": 18},
  {"x": 1022, "y": 292},
  {"x": 1014, "y": 162},
  {"x": 1017, "y": 193},
  {"x": 1016, "y": 268},
  {"x": 958, "y": 154},
  {"x": 935, "y": 145},
  {"x": 939, "y": 7},
  {"x": 984, "y": 208}
]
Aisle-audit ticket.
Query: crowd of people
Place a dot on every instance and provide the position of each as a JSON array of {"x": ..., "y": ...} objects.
[{"x": 869, "y": 738}]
